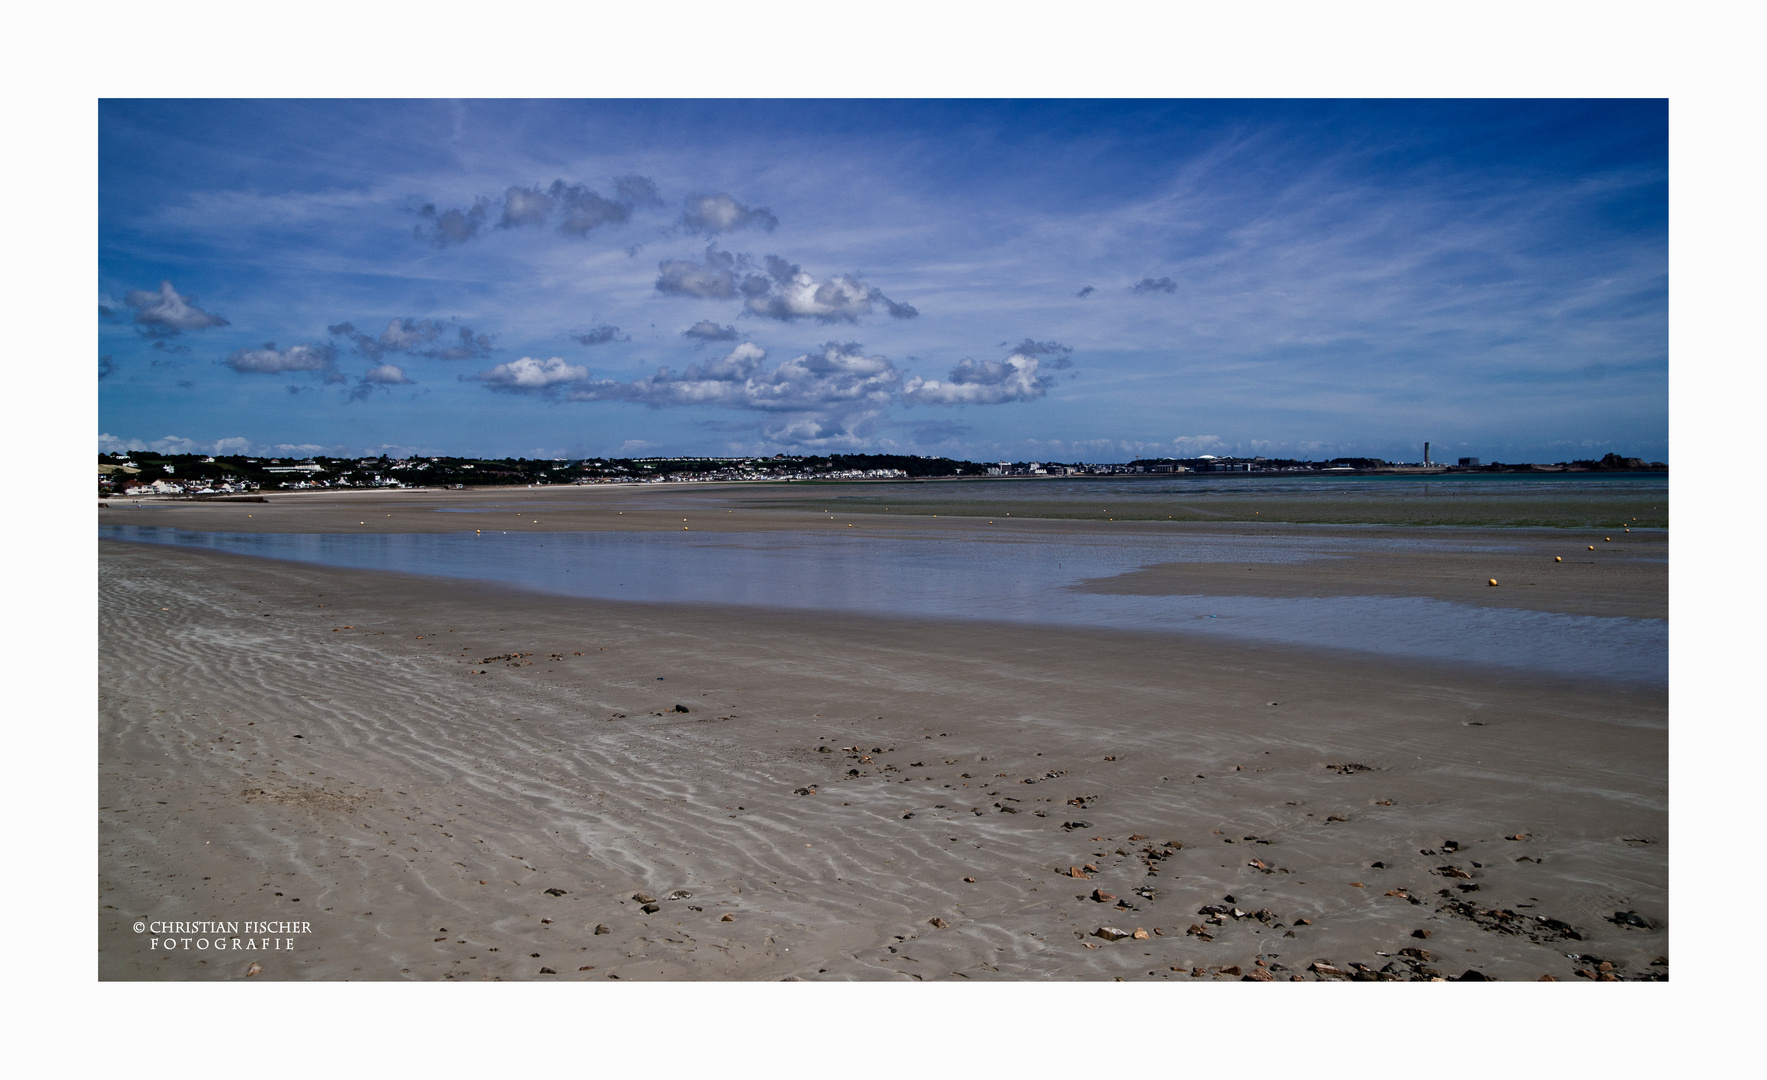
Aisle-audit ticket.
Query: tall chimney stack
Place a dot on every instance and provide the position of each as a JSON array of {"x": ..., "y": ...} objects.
[{"x": 1426, "y": 453}]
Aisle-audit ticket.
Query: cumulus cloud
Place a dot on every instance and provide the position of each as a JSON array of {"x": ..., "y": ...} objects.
[
  {"x": 380, "y": 376},
  {"x": 528, "y": 375},
  {"x": 837, "y": 376},
  {"x": 706, "y": 330},
  {"x": 166, "y": 313},
  {"x": 792, "y": 294},
  {"x": 319, "y": 359},
  {"x": 175, "y": 444},
  {"x": 576, "y": 208},
  {"x": 982, "y": 382},
  {"x": 600, "y": 335},
  {"x": 1057, "y": 353},
  {"x": 437, "y": 339},
  {"x": 444, "y": 227},
  {"x": 714, "y": 214},
  {"x": 1151, "y": 285},
  {"x": 714, "y": 279},
  {"x": 783, "y": 291}
]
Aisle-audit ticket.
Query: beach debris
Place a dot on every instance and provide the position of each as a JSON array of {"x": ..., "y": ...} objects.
[
  {"x": 602, "y": 928},
  {"x": 555, "y": 892},
  {"x": 255, "y": 969},
  {"x": 1110, "y": 933},
  {"x": 938, "y": 923}
]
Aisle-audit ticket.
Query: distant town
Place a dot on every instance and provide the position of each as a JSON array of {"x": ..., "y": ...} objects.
[{"x": 198, "y": 475}]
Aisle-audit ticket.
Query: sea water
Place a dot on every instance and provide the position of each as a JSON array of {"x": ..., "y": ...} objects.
[{"x": 1028, "y": 580}]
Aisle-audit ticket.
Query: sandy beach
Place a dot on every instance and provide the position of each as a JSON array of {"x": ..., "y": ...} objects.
[{"x": 449, "y": 780}]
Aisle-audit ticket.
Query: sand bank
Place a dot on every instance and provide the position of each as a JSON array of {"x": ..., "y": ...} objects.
[{"x": 455, "y": 781}]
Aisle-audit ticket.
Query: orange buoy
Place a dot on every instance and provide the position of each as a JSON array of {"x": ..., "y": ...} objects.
[
  {"x": 1558, "y": 558},
  {"x": 1607, "y": 539},
  {"x": 1493, "y": 581},
  {"x": 1591, "y": 547}
]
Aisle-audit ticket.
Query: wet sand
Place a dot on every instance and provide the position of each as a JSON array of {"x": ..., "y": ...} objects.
[{"x": 832, "y": 783}]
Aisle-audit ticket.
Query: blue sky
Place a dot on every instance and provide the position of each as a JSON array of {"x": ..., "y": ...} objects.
[{"x": 1069, "y": 280}]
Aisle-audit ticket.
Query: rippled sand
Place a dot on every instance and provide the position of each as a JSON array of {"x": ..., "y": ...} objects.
[{"x": 433, "y": 796}]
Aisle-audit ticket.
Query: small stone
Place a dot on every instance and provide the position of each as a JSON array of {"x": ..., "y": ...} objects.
[
  {"x": 651, "y": 909},
  {"x": 548, "y": 971},
  {"x": 681, "y": 708},
  {"x": 728, "y": 918},
  {"x": 938, "y": 923},
  {"x": 1416, "y": 953},
  {"x": 969, "y": 881},
  {"x": 601, "y": 928},
  {"x": 1546, "y": 978},
  {"x": 555, "y": 892},
  {"x": 1233, "y": 971},
  {"x": 1604, "y": 966},
  {"x": 1303, "y": 922},
  {"x": 644, "y": 898},
  {"x": 1421, "y": 933},
  {"x": 587, "y": 967},
  {"x": 1325, "y": 970},
  {"x": 255, "y": 969},
  {"x": 680, "y": 894},
  {"x": 1139, "y": 934},
  {"x": 1074, "y": 871},
  {"x": 1258, "y": 974},
  {"x": 1110, "y": 933},
  {"x": 1101, "y": 896},
  {"x": 1473, "y": 975}
]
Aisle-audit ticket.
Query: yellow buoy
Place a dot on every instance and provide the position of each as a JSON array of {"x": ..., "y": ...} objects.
[
  {"x": 1557, "y": 558},
  {"x": 1493, "y": 581},
  {"x": 1591, "y": 547},
  {"x": 1607, "y": 539}
]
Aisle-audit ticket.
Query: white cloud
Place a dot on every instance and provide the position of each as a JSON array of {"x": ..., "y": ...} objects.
[
  {"x": 528, "y": 375},
  {"x": 174, "y": 444},
  {"x": 711, "y": 214},
  {"x": 269, "y": 360},
  {"x": 165, "y": 312},
  {"x": 386, "y": 375},
  {"x": 837, "y": 376},
  {"x": 989, "y": 382}
]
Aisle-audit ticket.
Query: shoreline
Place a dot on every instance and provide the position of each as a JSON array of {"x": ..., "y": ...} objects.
[{"x": 202, "y": 783}]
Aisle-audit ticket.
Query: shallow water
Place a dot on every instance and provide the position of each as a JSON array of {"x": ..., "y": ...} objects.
[{"x": 1025, "y": 581}]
